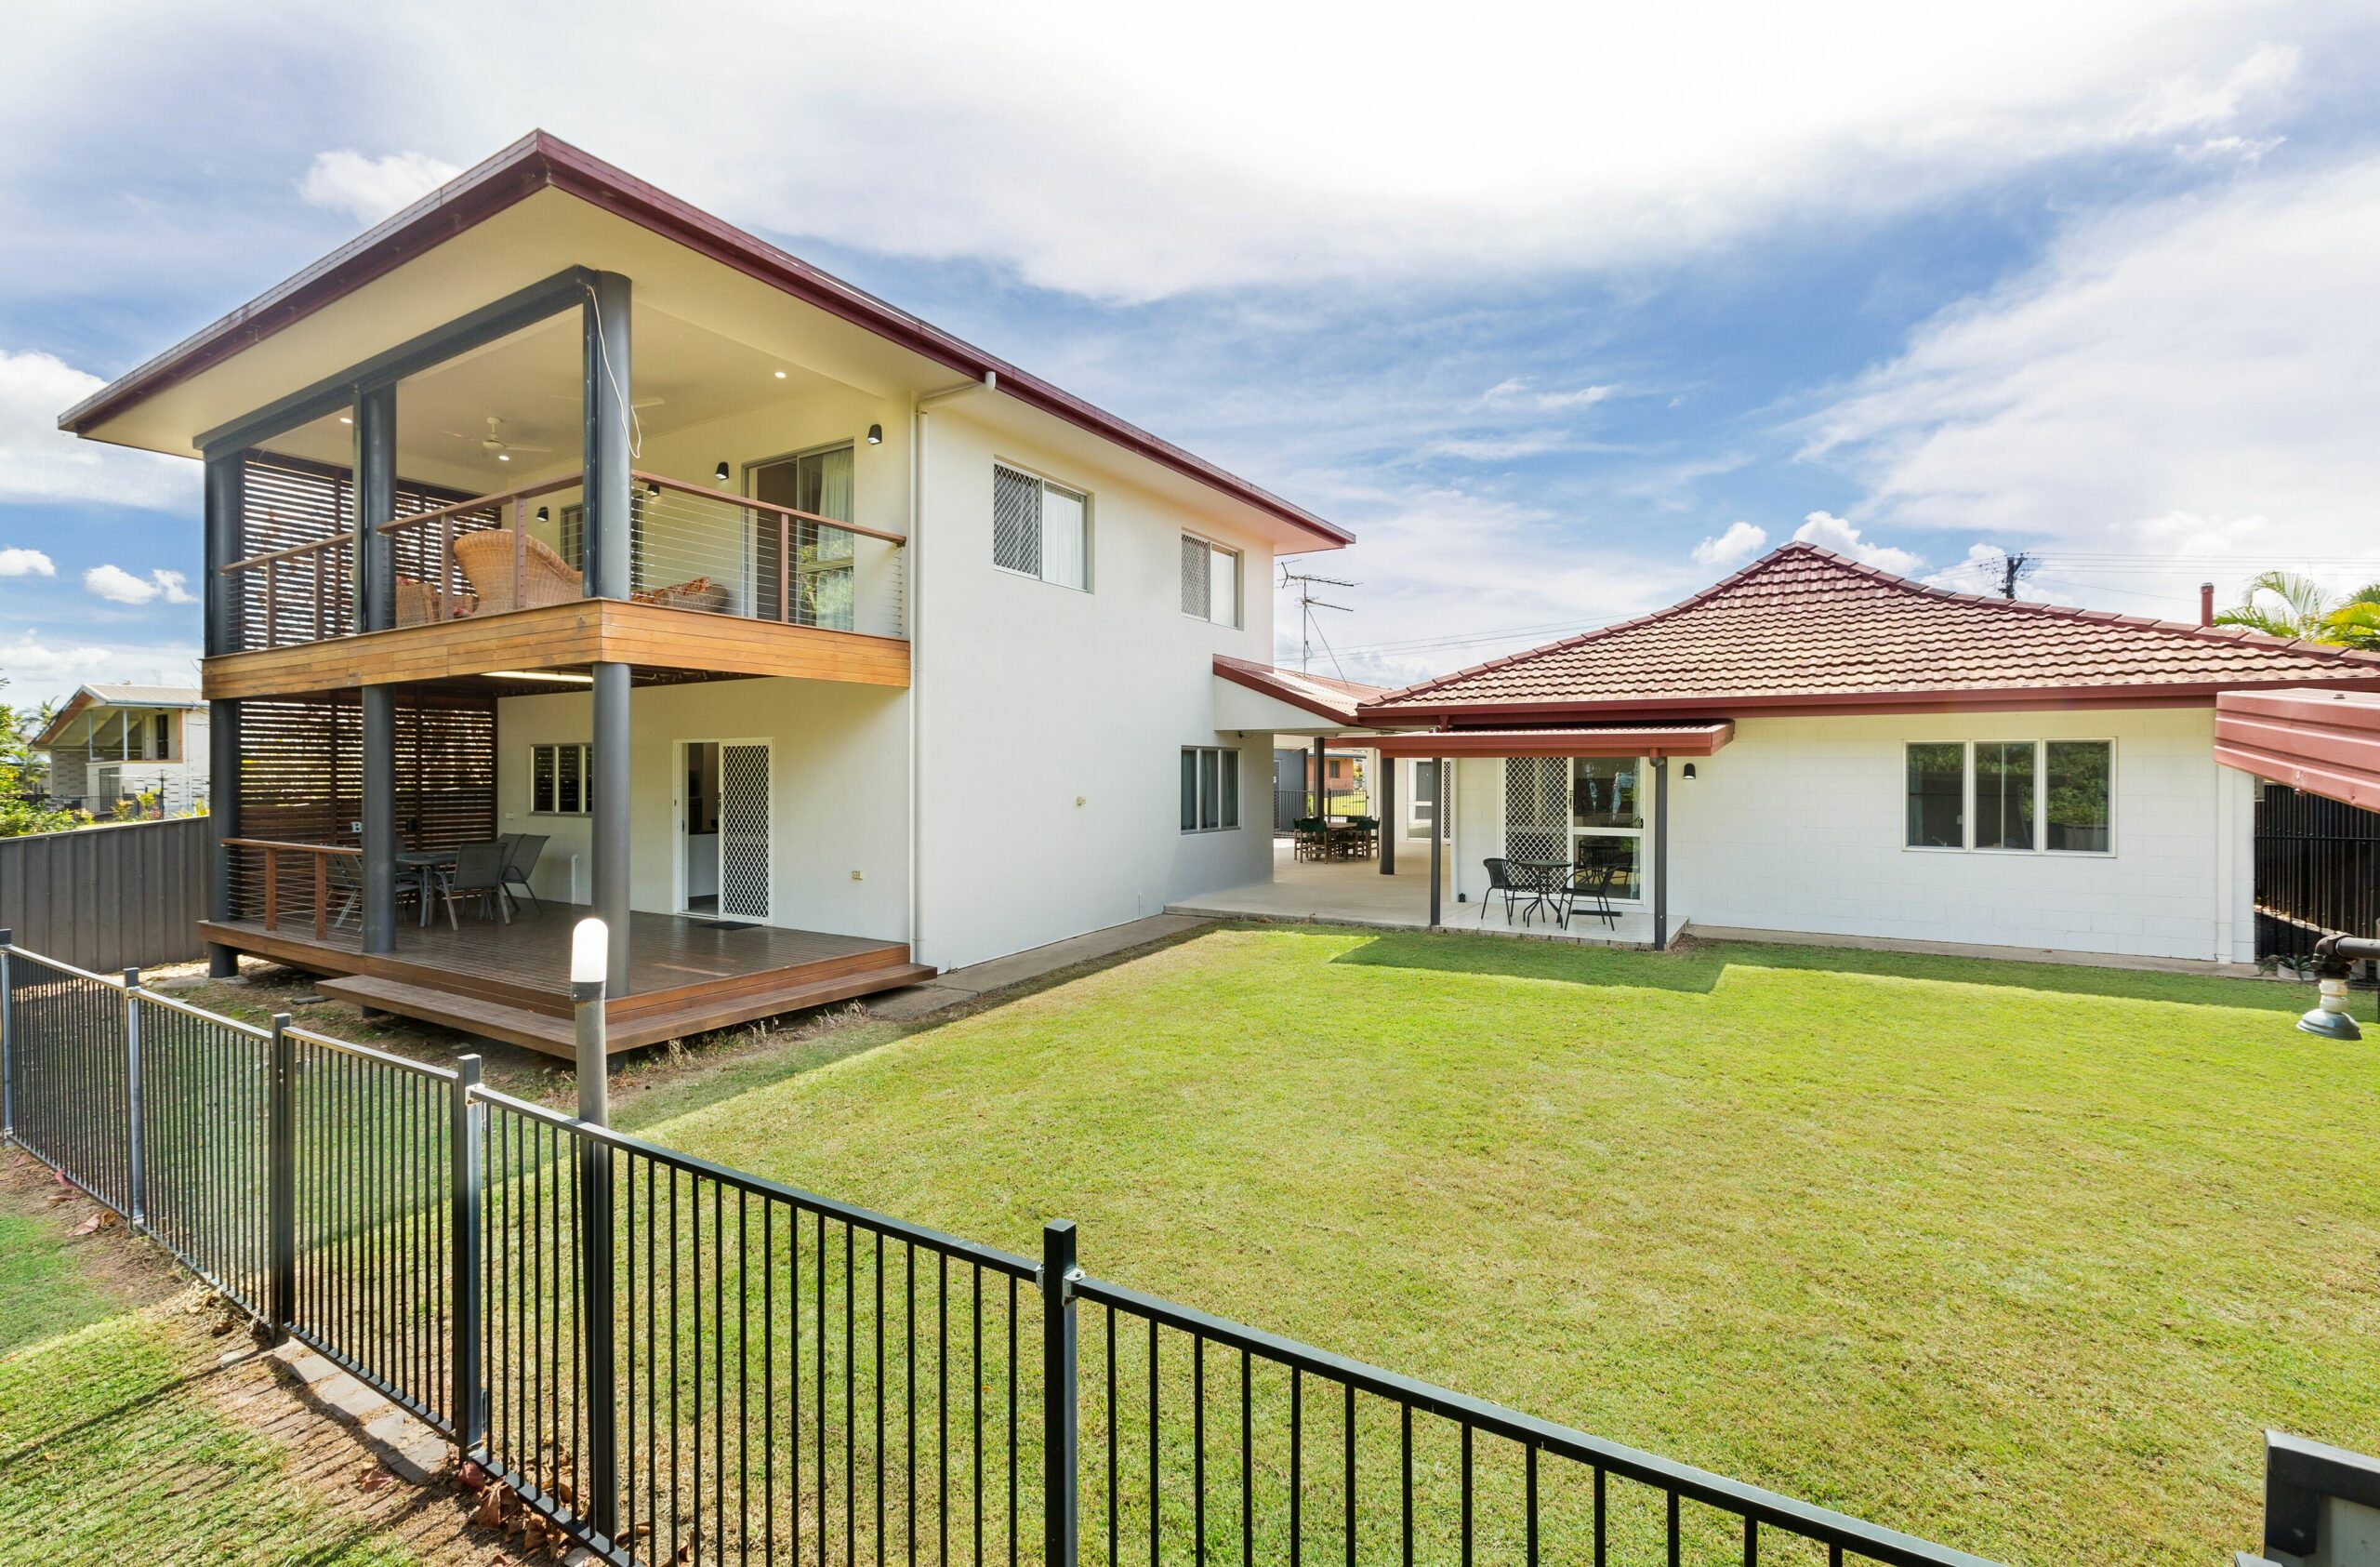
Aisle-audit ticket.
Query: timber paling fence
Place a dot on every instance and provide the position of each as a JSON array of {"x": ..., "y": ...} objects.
[{"x": 680, "y": 1363}]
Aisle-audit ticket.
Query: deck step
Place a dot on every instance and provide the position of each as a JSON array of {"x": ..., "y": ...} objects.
[{"x": 555, "y": 1036}]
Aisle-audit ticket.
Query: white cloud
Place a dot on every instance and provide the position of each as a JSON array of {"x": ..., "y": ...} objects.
[
  {"x": 2181, "y": 391},
  {"x": 119, "y": 586},
  {"x": 1108, "y": 150},
  {"x": 16, "y": 561},
  {"x": 40, "y": 463},
  {"x": 1517, "y": 390},
  {"x": 1830, "y": 532},
  {"x": 370, "y": 189},
  {"x": 1733, "y": 548},
  {"x": 41, "y": 670}
]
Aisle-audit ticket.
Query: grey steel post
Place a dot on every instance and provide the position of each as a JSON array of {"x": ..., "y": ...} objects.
[
  {"x": 605, "y": 359},
  {"x": 1437, "y": 831},
  {"x": 376, "y": 502},
  {"x": 223, "y": 822},
  {"x": 588, "y": 952},
  {"x": 1661, "y": 854},
  {"x": 608, "y": 780},
  {"x": 379, "y": 790},
  {"x": 466, "y": 1170},
  {"x": 1322, "y": 778},
  {"x": 136, "y": 1158},
  {"x": 7, "y": 1041},
  {"x": 280, "y": 1204},
  {"x": 1384, "y": 810},
  {"x": 226, "y": 530},
  {"x": 1060, "y": 1421}
]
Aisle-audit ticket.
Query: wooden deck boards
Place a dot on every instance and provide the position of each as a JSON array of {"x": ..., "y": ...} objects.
[{"x": 511, "y": 981}]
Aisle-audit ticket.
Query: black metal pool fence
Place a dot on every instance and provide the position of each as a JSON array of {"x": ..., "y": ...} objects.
[{"x": 676, "y": 1362}]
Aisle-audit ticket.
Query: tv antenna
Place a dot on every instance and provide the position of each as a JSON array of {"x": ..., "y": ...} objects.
[{"x": 1307, "y": 605}]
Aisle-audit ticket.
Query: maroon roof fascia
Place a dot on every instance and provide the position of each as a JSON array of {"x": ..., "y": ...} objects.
[
  {"x": 1585, "y": 740},
  {"x": 1269, "y": 681},
  {"x": 2323, "y": 742},
  {"x": 538, "y": 160}
]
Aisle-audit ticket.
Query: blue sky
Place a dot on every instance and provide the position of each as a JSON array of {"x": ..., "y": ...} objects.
[{"x": 1565, "y": 316}]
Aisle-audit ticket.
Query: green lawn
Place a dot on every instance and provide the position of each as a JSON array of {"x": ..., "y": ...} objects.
[
  {"x": 2018, "y": 1257},
  {"x": 110, "y": 1448}
]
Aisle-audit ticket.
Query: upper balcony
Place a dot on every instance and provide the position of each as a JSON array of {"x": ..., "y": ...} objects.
[{"x": 760, "y": 518}]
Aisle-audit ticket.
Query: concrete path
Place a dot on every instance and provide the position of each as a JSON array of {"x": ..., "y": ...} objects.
[{"x": 963, "y": 984}]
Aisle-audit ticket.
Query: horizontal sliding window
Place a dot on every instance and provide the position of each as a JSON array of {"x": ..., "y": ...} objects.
[
  {"x": 1210, "y": 789},
  {"x": 1039, "y": 528},
  {"x": 2022, "y": 796}
]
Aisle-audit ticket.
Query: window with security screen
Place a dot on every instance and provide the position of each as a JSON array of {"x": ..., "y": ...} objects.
[
  {"x": 1039, "y": 528},
  {"x": 1209, "y": 580}
]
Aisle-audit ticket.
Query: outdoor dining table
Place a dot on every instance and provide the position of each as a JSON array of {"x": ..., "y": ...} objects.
[
  {"x": 426, "y": 864},
  {"x": 1548, "y": 882}
]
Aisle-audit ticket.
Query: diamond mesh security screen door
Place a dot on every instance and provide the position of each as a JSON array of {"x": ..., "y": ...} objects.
[
  {"x": 1537, "y": 807},
  {"x": 744, "y": 831}
]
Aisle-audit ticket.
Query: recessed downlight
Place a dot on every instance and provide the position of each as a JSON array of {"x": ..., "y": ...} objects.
[{"x": 780, "y": 375}]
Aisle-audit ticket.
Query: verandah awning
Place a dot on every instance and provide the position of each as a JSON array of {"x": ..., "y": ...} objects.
[
  {"x": 2324, "y": 742},
  {"x": 1577, "y": 740}
]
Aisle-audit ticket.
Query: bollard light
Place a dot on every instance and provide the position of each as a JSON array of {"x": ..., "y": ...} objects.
[{"x": 590, "y": 946}]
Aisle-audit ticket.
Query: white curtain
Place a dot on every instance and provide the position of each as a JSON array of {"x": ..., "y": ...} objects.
[{"x": 1064, "y": 555}]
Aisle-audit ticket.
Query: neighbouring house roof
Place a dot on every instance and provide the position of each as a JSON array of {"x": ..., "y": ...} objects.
[
  {"x": 539, "y": 161},
  {"x": 1566, "y": 740},
  {"x": 2324, "y": 742},
  {"x": 1334, "y": 699},
  {"x": 85, "y": 697},
  {"x": 1802, "y": 629}
]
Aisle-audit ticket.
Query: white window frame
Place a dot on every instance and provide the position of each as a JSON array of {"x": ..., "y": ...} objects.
[
  {"x": 586, "y": 750},
  {"x": 1226, "y": 761},
  {"x": 1967, "y": 845},
  {"x": 1047, "y": 483},
  {"x": 1216, "y": 548}
]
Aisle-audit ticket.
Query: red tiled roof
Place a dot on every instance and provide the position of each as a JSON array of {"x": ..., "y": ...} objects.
[
  {"x": 1802, "y": 628},
  {"x": 1334, "y": 699}
]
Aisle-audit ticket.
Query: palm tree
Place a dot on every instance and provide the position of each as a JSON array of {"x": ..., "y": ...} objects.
[{"x": 2282, "y": 604}]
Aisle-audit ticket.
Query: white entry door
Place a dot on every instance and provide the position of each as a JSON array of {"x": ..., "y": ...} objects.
[{"x": 744, "y": 829}]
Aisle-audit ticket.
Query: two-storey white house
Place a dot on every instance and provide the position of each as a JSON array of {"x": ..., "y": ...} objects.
[{"x": 560, "y": 535}]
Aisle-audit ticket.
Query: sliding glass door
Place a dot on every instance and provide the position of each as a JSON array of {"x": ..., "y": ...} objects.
[{"x": 1588, "y": 810}]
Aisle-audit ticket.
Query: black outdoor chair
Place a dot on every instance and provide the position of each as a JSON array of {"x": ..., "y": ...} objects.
[
  {"x": 346, "y": 875},
  {"x": 522, "y": 852},
  {"x": 1499, "y": 880},
  {"x": 1590, "y": 881},
  {"x": 477, "y": 875}
]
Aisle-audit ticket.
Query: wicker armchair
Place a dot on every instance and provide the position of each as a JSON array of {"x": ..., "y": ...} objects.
[
  {"x": 417, "y": 602},
  {"x": 486, "y": 558}
]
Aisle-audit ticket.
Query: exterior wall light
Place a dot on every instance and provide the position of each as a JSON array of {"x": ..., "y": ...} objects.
[
  {"x": 876, "y": 435},
  {"x": 719, "y": 472},
  {"x": 1689, "y": 772}
]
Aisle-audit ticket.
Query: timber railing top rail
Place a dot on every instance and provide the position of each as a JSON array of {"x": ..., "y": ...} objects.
[
  {"x": 771, "y": 507},
  {"x": 1823, "y": 1524},
  {"x": 289, "y": 552},
  {"x": 285, "y": 847},
  {"x": 478, "y": 503}
]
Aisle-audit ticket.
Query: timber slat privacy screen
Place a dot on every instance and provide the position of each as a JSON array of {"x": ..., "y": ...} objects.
[{"x": 678, "y": 1362}]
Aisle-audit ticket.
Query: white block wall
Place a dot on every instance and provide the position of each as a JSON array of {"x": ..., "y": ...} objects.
[{"x": 1798, "y": 826}]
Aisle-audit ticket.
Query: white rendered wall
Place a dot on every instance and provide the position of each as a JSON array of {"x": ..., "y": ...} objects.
[
  {"x": 1798, "y": 826},
  {"x": 838, "y": 781},
  {"x": 1054, "y": 718}
]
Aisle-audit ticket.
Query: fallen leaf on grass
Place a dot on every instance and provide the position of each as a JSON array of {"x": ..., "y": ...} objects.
[
  {"x": 373, "y": 1479},
  {"x": 93, "y": 1225}
]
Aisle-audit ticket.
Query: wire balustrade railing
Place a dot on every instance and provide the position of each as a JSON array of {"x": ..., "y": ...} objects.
[
  {"x": 673, "y": 1361},
  {"x": 690, "y": 547}
]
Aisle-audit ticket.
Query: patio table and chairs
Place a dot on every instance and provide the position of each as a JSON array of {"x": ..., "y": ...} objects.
[{"x": 1555, "y": 887}]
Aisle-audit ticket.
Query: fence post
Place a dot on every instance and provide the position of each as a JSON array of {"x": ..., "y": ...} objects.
[
  {"x": 7, "y": 1041},
  {"x": 136, "y": 1178},
  {"x": 465, "y": 1125},
  {"x": 281, "y": 1301},
  {"x": 1060, "y": 1421}
]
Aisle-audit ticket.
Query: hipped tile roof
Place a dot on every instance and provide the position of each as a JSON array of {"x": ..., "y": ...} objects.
[{"x": 1801, "y": 626}]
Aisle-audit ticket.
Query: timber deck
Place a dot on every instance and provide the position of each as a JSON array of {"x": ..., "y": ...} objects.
[{"x": 512, "y": 982}]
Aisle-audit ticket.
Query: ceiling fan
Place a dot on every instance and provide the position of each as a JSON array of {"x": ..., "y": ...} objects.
[{"x": 496, "y": 445}]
